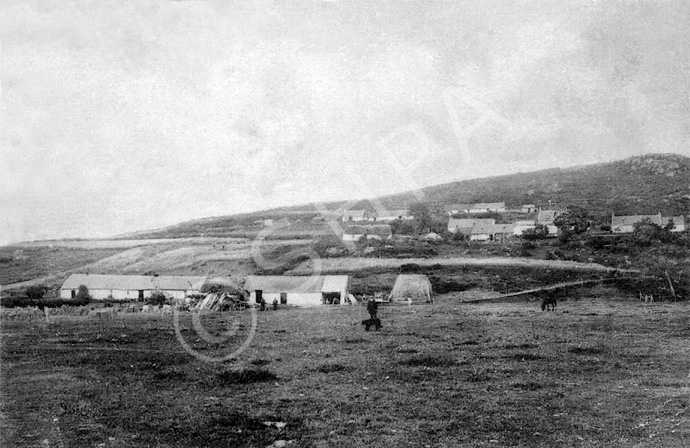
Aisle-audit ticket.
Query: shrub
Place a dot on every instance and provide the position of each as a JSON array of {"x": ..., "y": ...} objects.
[
  {"x": 157, "y": 298},
  {"x": 36, "y": 292},
  {"x": 83, "y": 294},
  {"x": 410, "y": 267},
  {"x": 539, "y": 232}
]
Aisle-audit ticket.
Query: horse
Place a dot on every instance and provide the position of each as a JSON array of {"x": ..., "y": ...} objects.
[{"x": 548, "y": 304}]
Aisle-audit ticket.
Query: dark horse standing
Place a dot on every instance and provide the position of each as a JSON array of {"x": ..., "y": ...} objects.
[{"x": 548, "y": 304}]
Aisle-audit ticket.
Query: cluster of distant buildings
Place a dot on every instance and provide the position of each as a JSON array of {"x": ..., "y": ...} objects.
[
  {"x": 486, "y": 229},
  {"x": 360, "y": 223}
]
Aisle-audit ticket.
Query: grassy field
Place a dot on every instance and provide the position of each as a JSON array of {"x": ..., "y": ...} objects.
[
  {"x": 25, "y": 263},
  {"x": 598, "y": 372}
]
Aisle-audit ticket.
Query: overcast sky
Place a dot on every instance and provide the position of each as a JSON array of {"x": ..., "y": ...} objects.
[{"x": 129, "y": 115}]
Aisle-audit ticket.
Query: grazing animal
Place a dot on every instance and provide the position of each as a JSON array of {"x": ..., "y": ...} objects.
[
  {"x": 375, "y": 322},
  {"x": 548, "y": 304}
]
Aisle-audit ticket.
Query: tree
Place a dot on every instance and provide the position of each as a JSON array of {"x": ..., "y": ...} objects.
[
  {"x": 422, "y": 215},
  {"x": 36, "y": 292},
  {"x": 157, "y": 298},
  {"x": 573, "y": 222},
  {"x": 83, "y": 294},
  {"x": 645, "y": 232},
  {"x": 538, "y": 232},
  {"x": 404, "y": 227}
]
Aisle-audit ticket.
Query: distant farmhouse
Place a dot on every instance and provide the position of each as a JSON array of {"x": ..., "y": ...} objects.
[
  {"x": 491, "y": 232},
  {"x": 480, "y": 207},
  {"x": 130, "y": 287},
  {"x": 303, "y": 291},
  {"x": 485, "y": 207},
  {"x": 454, "y": 209},
  {"x": 375, "y": 231},
  {"x": 389, "y": 215},
  {"x": 625, "y": 224},
  {"x": 528, "y": 208},
  {"x": 465, "y": 225},
  {"x": 354, "y": 215},
  {"x": 520, "y": 226},
  {"x": 547, "y": 217}
]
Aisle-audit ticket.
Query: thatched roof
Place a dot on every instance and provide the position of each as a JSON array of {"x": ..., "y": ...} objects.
[
  {"x": 411, "y": 286},
  {"x": 297, "y": 284},
  {"x": 134, "y": 282}
]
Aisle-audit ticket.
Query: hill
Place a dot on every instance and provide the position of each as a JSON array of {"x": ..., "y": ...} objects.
[{"x": 639, "y": 185}]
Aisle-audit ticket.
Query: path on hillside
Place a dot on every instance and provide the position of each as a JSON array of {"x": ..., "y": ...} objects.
[
  {"x": 329, "y": 265},
  {"x": 535, "y": 290}
]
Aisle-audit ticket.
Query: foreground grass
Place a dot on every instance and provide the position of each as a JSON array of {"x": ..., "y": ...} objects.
[{"x": 596, "y": 372}]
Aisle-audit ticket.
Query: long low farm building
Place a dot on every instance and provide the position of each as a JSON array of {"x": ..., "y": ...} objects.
[
  {"x": 298, "y": 290},
  {"x": 131, "y": 287}
]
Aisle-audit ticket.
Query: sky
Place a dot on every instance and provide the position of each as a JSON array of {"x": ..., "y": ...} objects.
[{"x": 119, "y": 116}]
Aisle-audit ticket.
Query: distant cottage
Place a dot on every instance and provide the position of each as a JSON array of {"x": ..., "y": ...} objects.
[
  {"x": 389, "y": 215},
  {"x": 453, "y": 209},
  {"x": 626, "y": 224},
  {"x": 480, "y": 207},
  {"x": 485, "y": 207},
  {"x": 354, "y": 215},
  {"x": 492, "y": 232},
  {"x": 463, "y": 225},
  {"x": 130, "y": 287},
  {"x": 547, "y": 217},
  {"x": 375, "y": 231}
]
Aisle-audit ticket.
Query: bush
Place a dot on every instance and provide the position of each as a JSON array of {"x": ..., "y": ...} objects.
[
  {"x": 539, "y": 232},
  {"x": 36, "y": 292},
  {"x": 157, "y": 298},
  {"x": 410, "y": 268},
  {"x": 83, "y": 294}
]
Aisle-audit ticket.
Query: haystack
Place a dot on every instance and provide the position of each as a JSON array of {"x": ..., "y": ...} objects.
[{"x": 411, "y": 287}]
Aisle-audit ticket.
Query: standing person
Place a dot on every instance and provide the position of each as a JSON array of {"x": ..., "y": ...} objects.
[
  {"x": 263, "y": 304},
  {"x": 275, "y": 304},
  {"x": 372, "y": 308}
]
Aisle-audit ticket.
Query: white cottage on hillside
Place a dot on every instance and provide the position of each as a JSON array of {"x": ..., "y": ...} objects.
[
  {"x": 458, "y": 224},
  {"x": 626, "y": 224},
  {"x": 390, "y": 215},
  {"x": 485, "y": 207},
  {"x": 131, "y": 287},
  {"x": 355, "y": 216},
  {"x": 375, "y": 231}
]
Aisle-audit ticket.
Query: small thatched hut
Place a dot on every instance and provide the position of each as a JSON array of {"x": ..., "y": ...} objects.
[{"x": 411, "y": 288}]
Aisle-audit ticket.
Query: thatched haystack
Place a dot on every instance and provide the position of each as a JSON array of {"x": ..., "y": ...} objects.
[{"x": 411, "y": 287}]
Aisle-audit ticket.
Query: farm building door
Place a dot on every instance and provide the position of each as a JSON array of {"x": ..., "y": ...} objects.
[
  {"x": 259, "y": 295},
  {"x": 141, "y": 294},
  {"x": 330, "y": 298},
  {"x": 74, "y": 294},
  {"x": 283, "y": 298}
]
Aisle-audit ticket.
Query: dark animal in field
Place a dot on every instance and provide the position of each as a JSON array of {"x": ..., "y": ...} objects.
[
  {"x": 368, "y": 323},
  {"x": 548, "y": 304}
]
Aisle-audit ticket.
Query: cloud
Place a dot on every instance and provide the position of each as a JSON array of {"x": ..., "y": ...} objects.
[{"x": 121, "y": 117}]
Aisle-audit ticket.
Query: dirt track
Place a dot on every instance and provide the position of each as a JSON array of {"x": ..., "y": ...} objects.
[{"x": 352, "y": 264}]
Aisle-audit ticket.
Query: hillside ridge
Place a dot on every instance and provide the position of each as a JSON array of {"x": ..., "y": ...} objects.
[{"x": 644, "y": 184}]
